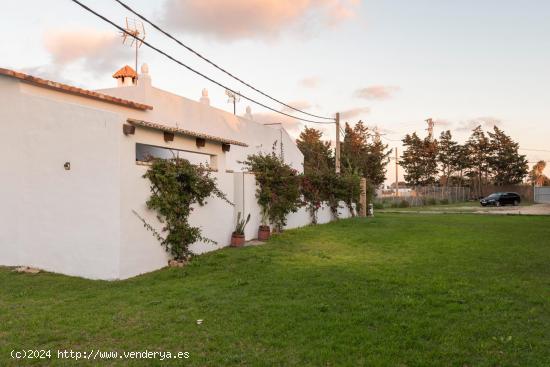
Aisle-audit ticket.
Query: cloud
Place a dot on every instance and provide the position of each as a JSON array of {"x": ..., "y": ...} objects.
[
  {"x": 254, "y": 19},
  {"x": 486, "y": 123},
  {"x": 310, "y": 82},
  {"x": 49, "y": 72},
  {"x": 354, "y": 112},
  {"x": 99, "y": 52},
  {"x": 271, "y": 118},
  {"x": 301, "y": 105},
  {"x": 376, "y": 92},
  {"x": 442, "y": 122}
]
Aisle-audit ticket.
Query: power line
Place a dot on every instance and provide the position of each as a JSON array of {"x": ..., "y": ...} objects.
[
  {"x": 213, "y": 64},
  {"x": 190, "y": 68}
]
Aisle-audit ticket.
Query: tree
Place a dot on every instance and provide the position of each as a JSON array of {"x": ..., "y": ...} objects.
[
  {"x": 419, "y": 160},
  {"x": 364, "y": 154},
  {"x": 354, "y": 147},
  {"x": 318, "y": 156},
  {"x": 479, "y": 151},
  {"x": 507, "y": 165},
  {"x": 376, "y": 161},
  {"x": 536, "y": 175},
  {"x": 448, "y": 156}
]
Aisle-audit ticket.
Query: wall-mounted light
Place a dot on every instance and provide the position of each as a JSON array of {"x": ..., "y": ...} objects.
[
  {"x": 200, "y": 142},
  {"x": 128, "y": 129},
  {"x": 168, "y": 136},
  {"x": 67, "y": 166},
  {"x": 226, "y": 147}
]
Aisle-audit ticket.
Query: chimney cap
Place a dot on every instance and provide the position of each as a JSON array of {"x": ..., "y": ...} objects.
[{"x": 125, "y": 72}]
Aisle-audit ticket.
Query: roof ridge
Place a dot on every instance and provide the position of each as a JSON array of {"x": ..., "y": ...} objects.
[{"x": 69, "y": 89}]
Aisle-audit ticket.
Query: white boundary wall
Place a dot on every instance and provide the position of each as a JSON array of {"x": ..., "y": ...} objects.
[{"x": 542, "y": 194}]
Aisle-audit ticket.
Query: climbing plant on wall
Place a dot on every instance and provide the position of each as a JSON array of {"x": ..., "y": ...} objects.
[
  {"x": 176, "y": 185},
  {"x": 278, "y": 187}
]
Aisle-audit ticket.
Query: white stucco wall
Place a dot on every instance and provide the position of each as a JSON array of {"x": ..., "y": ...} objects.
[
  {"x": 80, "y": 221},
  {"x": 174, "y": 110},
  {"x": 60, "y": 220}
]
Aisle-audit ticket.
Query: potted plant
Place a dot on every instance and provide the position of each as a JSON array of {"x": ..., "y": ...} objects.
[
  {"x": 237, "y": 238},
  {"x": 264, "y": 231}
]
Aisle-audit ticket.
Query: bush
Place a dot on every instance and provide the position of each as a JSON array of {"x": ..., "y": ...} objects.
[
  {"x": 312, "y": 188},
  {"x": 176, "y": 185},
  {"x": 429, "y": 201},
  {"x": 404, "y": 204},
  {"x": 378, "y": 206},
  {"x": 278, "y": 187},
  {"x": 444, "y": 201}
]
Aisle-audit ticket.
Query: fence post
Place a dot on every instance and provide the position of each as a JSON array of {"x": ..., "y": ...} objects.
[{"x": 363, "y": 198}]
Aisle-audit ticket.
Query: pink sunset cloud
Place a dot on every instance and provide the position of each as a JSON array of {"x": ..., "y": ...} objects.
[
  {"x": 301, "y": 105},
  {"x": 376, "y": 92},
  {"x": 246, "y": 19},
  {"x": 99, "y": 51},
  {"x": 354, "y": 113},
  {"x": 310, "y": 82}
]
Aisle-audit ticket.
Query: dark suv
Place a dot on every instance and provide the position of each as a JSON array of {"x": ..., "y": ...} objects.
[{"x": 501, "y": 198}]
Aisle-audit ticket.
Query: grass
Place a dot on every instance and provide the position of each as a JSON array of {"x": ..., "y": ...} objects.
[{"x": 395, "y": 290}]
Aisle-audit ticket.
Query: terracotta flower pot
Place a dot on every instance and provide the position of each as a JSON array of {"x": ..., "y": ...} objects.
[
  {"x": 177, "y": 263},
  {"x": 237, "y": 240},
  {"x": 263, "y": 233}
]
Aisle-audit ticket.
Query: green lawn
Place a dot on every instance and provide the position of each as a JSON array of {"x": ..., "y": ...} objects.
[{"x": 396, "y": 290}]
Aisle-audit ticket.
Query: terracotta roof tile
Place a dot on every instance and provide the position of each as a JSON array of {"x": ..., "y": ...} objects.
[
  {"x": 124, "y": 72},
  {"x": 177, "y": 130},
  {"x": 64, "y": 88}
]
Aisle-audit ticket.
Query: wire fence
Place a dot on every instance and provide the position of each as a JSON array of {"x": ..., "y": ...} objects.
[
  {"x": 423, "y": 195},
  {"x": 433, "y": 195}
]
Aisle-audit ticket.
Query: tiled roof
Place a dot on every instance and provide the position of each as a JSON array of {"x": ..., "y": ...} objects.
[
  {"x": 64, "y": 88},
  {"x": 126, "y": 71},
  {"x": 177, "y": 130}
]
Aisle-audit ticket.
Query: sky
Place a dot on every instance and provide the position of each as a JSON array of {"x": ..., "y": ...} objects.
[{"x": 392, "y": 64}]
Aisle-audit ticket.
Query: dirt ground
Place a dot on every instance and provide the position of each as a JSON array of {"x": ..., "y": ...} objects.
[
  {"x": 532, "y": 209},
  {"x": 535, "y": 209}
]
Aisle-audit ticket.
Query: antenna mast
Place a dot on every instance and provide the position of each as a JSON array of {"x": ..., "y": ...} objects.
[
  {"x": 134, "y": 37},
  {"x": 233, "y": 98},
  {"x": 430, "y": 128}
]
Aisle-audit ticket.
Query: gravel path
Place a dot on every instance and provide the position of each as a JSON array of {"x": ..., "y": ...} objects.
[{"x": 535, "y": 209}]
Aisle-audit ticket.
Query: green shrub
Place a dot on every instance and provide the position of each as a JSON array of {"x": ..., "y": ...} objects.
[
  {"x": 278, "y": 187},
  {"x": 312, "y": 187},
  {"x": 429, "y": 201},
  {"x": 404, "y": 204},
  {"x": 444, "y": 201},
  {"x": 176, "y": 185},
  {"x": 378, "y": 206}
]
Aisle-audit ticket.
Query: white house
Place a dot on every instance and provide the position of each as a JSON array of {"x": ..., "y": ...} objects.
[{"x": 72, "y": 171}]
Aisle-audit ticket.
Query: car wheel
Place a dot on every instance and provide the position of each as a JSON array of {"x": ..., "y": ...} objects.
[{"x": 516, "y": 203}]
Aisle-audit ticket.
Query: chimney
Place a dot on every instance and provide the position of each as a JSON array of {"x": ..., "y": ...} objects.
[
  {"x": 144, "y": 76},
  {"x": 205, "y": 100},
  {"x": 248, "y": 113},
  {"x": 126, "y": 77}
]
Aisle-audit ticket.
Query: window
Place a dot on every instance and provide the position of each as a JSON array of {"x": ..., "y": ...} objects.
[{"x": 145, "y": 152}]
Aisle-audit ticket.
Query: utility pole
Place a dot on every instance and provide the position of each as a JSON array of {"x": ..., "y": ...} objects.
[
  {"x": 430, "y": 128},
  {"x": 337, "y": 151},
  {"x": 396, "y": 174}
]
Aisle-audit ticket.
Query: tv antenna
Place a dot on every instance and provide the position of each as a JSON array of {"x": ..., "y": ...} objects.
[
  {"x": 233, "y": 98},
  {"x": 134, "y": 36}
]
